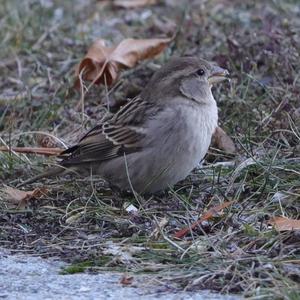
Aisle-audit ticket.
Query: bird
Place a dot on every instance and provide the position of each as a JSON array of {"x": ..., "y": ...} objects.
[{"x": 158, "y": 137}]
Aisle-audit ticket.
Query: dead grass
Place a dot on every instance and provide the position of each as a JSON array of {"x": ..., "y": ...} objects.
[{"x": 84, "y": 222}]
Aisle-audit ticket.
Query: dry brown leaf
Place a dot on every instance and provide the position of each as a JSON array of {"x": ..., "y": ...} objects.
[
  {"x": 285, "y": 224},
  {"x": 133, "y": 3},
  {"x": 212, "y": 212},
  {"x": 125, "y": 280},
  {"x": 21, "y": 198},
  {"x": 37, "y": 150},
  {"x": 103, "y": 64},
  {"x": 46, "y": 141},
  {"x": 222, "y": 141}
]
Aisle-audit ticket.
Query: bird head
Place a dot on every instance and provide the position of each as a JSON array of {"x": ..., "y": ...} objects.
[{"x": 186, "y": 76}]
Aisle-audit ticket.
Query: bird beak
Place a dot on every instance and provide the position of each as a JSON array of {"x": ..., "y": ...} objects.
[{"x": 217, "y": 75}]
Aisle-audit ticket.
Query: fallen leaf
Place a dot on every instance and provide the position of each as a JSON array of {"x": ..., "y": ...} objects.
[
  {"x": 212, "y": 212},
  {"x": 222, "y": 141},
  {"x": 160, "y": 225},
  {"x": 21, "y": 198},
  {"x": 125, "y": 280},
  {"x": 133, "y": 3},
  {"x": 103, "y": 64},
  {"x": 46, "y": 141},
  {"x": 37, "y": 150},
  {"x": 285, "y": 224}
]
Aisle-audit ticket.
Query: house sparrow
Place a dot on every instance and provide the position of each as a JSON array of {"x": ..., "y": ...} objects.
[{"x": 156, "y": 139}]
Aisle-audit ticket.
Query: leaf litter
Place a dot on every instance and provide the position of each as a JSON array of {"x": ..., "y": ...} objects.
[
  {"x": 285, "y": 224},
  {"x": 103, "y": 64},
  {"x": 20, "y": 198}
]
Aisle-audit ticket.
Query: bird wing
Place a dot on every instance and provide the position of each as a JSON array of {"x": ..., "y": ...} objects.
[{"x": 122, "y": 133}]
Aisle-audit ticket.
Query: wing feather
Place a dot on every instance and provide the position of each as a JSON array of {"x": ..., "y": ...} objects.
[{"x": 121, "y": 133}]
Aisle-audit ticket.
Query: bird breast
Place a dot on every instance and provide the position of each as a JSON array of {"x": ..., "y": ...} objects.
[
  {"x": 194, "y": 137},
  {"x": 181, "y": 142}
]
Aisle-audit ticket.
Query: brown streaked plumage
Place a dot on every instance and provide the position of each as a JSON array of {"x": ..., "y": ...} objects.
[{"x": 158, "y": 137}]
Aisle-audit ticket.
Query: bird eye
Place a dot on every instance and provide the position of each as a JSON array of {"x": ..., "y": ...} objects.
[{"x": 200, "y": 72}]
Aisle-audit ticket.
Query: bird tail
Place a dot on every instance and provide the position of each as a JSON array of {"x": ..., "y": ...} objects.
[{"x": 48, "y": 173}]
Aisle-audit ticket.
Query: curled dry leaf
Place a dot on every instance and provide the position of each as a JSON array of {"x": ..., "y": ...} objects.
[
  {"x": 102, "y": 64},
  {"x": 222, "y": 141},
  {"x": 21, "y": 198},
  {"x": 33, "y": 150},
  {"x": 46, "y": 141},
  {"x": 212, "y": 212},
  {"x": 285, "y": 224},
  {"x": 126, "y": 280},
  {"x": 133, "y": 3}
]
